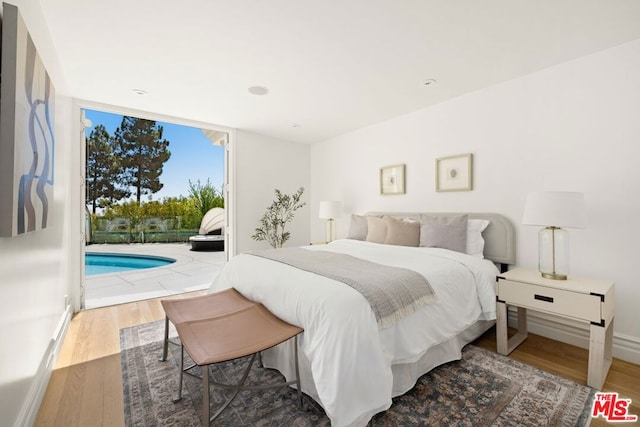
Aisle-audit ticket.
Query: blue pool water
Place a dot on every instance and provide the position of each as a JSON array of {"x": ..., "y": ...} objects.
[{"x": 114, "y": 263}]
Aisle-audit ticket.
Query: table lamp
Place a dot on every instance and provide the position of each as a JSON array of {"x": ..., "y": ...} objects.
[
  {"x": 330, "y": 211},
  {"x": 554, "y": 210}
]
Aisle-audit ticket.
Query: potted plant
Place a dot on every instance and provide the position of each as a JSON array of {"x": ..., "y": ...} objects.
[{"x": 277, "y": 216}]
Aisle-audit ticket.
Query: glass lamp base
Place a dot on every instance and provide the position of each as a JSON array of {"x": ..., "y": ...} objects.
[
  {"x": 553, "y": 253},
  {"x": 554, "y": 276},
  {"x": 330, "y": 231}
]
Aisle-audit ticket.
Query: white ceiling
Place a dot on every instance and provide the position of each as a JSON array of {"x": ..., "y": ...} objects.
[{"x": 331, "y": 66}]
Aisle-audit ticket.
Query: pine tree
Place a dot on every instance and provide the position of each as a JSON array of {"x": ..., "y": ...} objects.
[
  {"x": 102, "y": 170},
  {"x": 142, "y": 153}
]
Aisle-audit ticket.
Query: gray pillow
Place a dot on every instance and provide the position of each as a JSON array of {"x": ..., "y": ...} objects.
[
  {"x": 402, "y": 233},
  {"x": 376, "y": 229},
  {"x": 444, "y": 231},
  {"x": 358, "y": 227}
]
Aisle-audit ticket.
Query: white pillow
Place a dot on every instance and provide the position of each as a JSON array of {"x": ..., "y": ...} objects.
[
  {"x": 475, "y": 242},
  {"x": 357, "y": 227}
]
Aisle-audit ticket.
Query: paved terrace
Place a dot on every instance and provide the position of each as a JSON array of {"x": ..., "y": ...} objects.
[{"x": 192, "y": 271}]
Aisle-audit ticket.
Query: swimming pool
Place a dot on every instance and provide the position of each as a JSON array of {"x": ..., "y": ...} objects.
[{"x": 114, "y": 263}]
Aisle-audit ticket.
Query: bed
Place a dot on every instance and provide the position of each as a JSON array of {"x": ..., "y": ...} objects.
[{"x": 351, "y": 366}]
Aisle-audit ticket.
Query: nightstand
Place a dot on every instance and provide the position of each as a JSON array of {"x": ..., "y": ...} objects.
[{"x": 587, "y": 300}]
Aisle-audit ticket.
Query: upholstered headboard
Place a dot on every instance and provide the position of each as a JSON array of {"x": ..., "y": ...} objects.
[{"x": 499, "y": 236}]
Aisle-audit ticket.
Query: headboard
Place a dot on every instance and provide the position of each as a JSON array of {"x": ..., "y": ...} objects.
[{"x": 499, "y": 236}]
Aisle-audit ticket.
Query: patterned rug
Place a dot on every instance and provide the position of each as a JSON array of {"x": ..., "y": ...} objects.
[{"x": 482, "y": 389}]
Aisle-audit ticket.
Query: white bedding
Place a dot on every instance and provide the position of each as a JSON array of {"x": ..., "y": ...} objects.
[{"x": 350, "y": 358}]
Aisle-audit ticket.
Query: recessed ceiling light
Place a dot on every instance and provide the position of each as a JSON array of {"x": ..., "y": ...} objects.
[
  {"x": 258, "y": 90},
  {"x": 429, "y": 82},
  {"x": 139, "y": 92}
]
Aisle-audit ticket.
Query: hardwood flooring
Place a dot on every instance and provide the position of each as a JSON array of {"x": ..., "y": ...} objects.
[{"x": 86, "y": 386}]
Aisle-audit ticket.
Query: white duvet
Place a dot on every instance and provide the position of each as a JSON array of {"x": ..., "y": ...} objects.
[{"x": 350, "y": 358}]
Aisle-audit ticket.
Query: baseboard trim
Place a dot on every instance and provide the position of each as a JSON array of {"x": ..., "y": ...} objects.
[
  {"x": 29, "y": 410},
  {"x": 576, "y": 333}
]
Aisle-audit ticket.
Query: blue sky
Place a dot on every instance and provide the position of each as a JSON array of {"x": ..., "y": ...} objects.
[{"x": 193, "y": 156}]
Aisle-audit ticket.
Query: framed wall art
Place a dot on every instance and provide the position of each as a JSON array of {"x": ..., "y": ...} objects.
[
  {"x": 26, "y": 132},
  {"x": 454, "y": 173},
  {"x": 392, "y": 180}
]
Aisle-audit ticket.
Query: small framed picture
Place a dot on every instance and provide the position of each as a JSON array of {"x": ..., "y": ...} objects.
[
  {"x": 454, "y": 173},
  {"x": 392, "y": 179}
]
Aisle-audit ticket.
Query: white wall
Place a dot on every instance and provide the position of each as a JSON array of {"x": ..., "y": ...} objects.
[
  {"x": 263, "y": 164},
  {"x": 34, "y": 271},
  {"x": 574, "y": 126}
]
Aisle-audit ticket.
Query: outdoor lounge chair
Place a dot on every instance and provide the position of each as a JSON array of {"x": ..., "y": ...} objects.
[{"x": 211, "y": 235}]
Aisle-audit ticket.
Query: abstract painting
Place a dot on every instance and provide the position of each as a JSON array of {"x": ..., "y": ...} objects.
[{"x": 27, "y": 143}]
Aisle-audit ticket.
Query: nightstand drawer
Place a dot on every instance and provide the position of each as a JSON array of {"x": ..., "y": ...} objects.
[{"x": 556, "y": 301}]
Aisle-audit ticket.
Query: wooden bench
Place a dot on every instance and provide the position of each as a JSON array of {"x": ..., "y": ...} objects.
[{"x": 223, "y": 326}]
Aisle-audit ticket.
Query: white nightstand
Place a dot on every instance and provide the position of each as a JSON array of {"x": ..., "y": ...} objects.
[{"x": 581, "y": 299}]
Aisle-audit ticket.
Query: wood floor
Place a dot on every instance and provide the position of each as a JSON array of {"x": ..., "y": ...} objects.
[{"x": 86, "y": 386}]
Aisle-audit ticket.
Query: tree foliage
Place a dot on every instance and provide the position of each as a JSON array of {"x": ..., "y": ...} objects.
[
  {"x": 102, "y": 170},
  {"x": 181, "y": 211},
  {"x": 274, "y": 220},
  {"x": 205, "y": 196},
  {"x": 142, "y": 151},
  {"x": 134, "y": 158}
]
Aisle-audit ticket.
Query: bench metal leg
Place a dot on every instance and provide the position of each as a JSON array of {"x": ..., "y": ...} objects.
[
  {"x": 165, "y": 345},
  {"x": 240, "y": 385},
  {"x": 205, "y": 396},
  {"x": 295, "y": 347},
  {"x": 236, "y": 387},
  {"x": 206, "y": 419},
  {"x": 178, "y": 398}
]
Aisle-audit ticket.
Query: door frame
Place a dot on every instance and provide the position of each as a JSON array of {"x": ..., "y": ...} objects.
[{"x": 77, "y": 291}]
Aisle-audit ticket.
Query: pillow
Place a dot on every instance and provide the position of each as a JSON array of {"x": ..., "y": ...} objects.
[
  {"x": 444, "y": 231},
  {"x": 357, "y": 227},
  {"x": 475, "y": 242},
  {"x": 376, "y": 229},
  {"x": 410, "y": 219},
  {"x": 401, "y": 232}
]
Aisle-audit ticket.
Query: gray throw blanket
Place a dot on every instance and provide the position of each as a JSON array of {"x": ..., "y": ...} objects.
[{"x": 392, "y": 292}]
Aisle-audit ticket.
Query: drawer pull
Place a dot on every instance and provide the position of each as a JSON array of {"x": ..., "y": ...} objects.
[{"x": 543, "y": 298}]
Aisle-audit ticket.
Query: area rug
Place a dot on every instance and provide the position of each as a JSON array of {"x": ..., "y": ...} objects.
[{"x": 482, "y": 389}]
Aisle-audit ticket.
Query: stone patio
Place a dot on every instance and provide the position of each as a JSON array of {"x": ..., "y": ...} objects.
[{"x": 192, "y": 271}]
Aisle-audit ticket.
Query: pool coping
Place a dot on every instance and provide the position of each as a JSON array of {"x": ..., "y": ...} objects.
[{"x": 192, "y": 271}]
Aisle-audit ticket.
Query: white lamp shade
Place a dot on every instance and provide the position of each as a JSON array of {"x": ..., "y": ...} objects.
[
  {"x": 555, "y": 209},
  {"x": 330, "y": 210}
]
